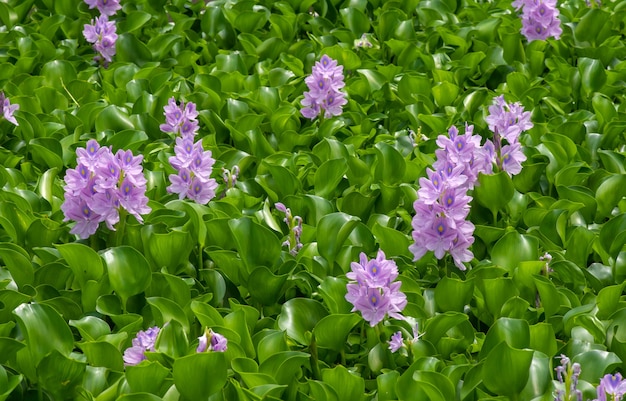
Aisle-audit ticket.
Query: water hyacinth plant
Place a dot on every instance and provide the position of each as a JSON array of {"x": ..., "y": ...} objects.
[{"x": 325, "y": 200}]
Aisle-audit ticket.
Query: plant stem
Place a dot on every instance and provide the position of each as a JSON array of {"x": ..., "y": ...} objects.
[
  {"x": 121, "y": 227},
  {"x": 314, "y": 359}
]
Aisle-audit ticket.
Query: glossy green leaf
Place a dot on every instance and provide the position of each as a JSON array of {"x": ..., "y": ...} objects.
[
  {"x": 518, "y": 364},
  {"x": 515, "y": 332},
  {"x": 59, "y": 374},
  {"x": 268, "y": 293},
  {"x": 147, "y": 377},
  {"x": 514, "y": 248},
  {"x": 44, "y": 331},
  {"x": 129, "y": 272},
  {"x": 332, "y": 331},
  {"x": 494, "y": 191},
  {"x": 85, "y": 263},
  {"x": 328, "y": 176},
  {"x": 190, "y": 375},
  {"x": 299, "y": 316},
  {"x": 257, "y": 245},
  {"x": 348, "y": 386},
  {"x": 609, "y": 193},
  {"x": 284, "y": 366},
  {"x": 332, "y": 232},
  {"x": 452, "y": 294}
]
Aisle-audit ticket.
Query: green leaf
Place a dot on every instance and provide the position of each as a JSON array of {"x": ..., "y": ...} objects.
[
  {"x": 329, "y": 175},
  {"x": 113, "y": 118},
  {"x": 515, "y": 332},
  {"x": 257, "y": 245},
  {"x": 391, "y": 241},
  {"x": 166, "y": 310},
  {"x": 90, "y": 327},
  {"x": 613, "y": 235},
  {"x": 85, "y": 263},
  {"x": 355, "y": 20},
  {"x": 543, "y": 339},
  {"x": 494, "y": 191},
  {"x": 166, "y": 249},
  {"x": 18, "y": 263},
  {"x": 548, "y": 295},
  {"x": 332, "y": 331},
  {"x": 44, "y": 331},
  {"x": 452, "y": 294},
  {"x": 445, "y": 93},
  {"x": 129, "y": 272},
  {"x": 332, "y": 232},
  {"x": 609, "y": 193},
  {"x": 390, "y": 165},
  {"x": 190, "y": 375},
  {"x": 103, "y": 353},
  {"x": 131, "y": 49},
  {"x": 299, "y": 316},
  {"x": 147, "y": 377},
  {"x": 597, "y": 363},
  {"x": 284, "y": 366},
  {"x": 514, "y": 248},
  {"x": 348, "y": 385},
  {"x": 517, "y": 364},
  {"x": 59, "y": 374},
  {"x": 592, "y": 74},
  {"x": 270, "y": 292}
]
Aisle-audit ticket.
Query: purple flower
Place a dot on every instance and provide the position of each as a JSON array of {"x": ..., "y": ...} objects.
[
  {"x": 440, "y": 224},
  {"x": 512, "y": 158},
  {"x": 100, "y": 185},
  {"x": 211, "y": 341},
  {"x": 180, "y": 119},
  {"x": 396, "y": 341},
  {"x": 568, "y": 373},
  {"x": 193, "y": 164},
  {"x": 373, "y": 293},
  {"x": 539, "y": 19},
  {"x": 613, "y": 385},
  {"x": 87, "y": 221},
  {"x": 378, "y": 272},
  {"x": 144, "y": 341},
  {"x": 507, "y": 122},
  {"x": 201, "y": 191},
  {"x": 325, "y": 84},
  {"x": 7, "y": 110},
  {"x": 106, "y": 7},
  {"x": 102, "y": 34}
]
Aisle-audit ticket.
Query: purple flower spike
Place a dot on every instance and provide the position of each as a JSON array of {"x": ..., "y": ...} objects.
[
  {"x": 507, "y": 122},
  {"x": 540, "y": 19},
  {"x": 106, "y": 7},
  {"x": 325, "y": 84},
  {"x": 180, "y": 119},
  {"x": 100, "y": 185},
  {"x": 193, "y": 164},
  {"x": 144, "y": 341},
  {"x": 7, "y": 110},
  {"x": 373, "y": 291},
  {"x": 102, "y": 34}
]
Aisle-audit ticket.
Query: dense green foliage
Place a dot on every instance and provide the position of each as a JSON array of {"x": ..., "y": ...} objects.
[{"x": 69, "y": 308}]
